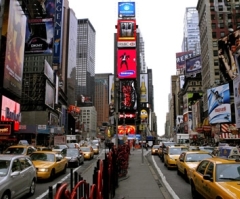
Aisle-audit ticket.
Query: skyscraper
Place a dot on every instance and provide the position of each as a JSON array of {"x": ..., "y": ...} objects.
[
  {"x": 85, "y": 62},
  {"x": 191, "y": 37}
]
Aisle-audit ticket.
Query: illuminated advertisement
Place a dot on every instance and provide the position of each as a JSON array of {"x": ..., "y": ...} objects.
[
  {"x": 219, "y": 110},
  {"x": 128, "y": 95},
  {"x": 5, "y": 129},
  {"x": 13, "y": 46},
  {"x": 49, "y": 95},
  {"x": 193, "y": 66},
  {"x": 126, "y": 9},
  {"x": 236, "y": 90},
  {"x": 181, "y": 57},
  {"x": 126, "y": 33},
  {"x": 10, "y": 111},
  {"x": 126, "y": 129},
  {"x": 40, "y": 26},
  {"x": 126, "y": 63},
  {"x": 57, "y": 52},
  {"x": 143, "y": 88}
]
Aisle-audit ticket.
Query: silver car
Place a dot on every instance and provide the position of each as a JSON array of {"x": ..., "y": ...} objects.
[
  {"x": 74, "y": 157},
  {"x": 17, "y": 176}
]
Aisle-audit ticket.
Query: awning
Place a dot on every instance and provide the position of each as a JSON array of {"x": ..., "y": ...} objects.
[{"x": 229, "y": 136}]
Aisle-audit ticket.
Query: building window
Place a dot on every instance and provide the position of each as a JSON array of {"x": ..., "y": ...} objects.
[
  {"x": 222, "y": 34},
  {"x": 216, "y": 72},
  {"x": 215, "y": 44},
  {"x": 213, "y": 26},
  {"x": 213, "y": 17},
  {"x": 221, "y": 25},
  {"x": 229, "y": 16},
  {"x": 211, "y": 8},
  {"x": 220, "y": 8},
  {"x": 214, "y": 35},
  {"x": 215, "y": 62},
  {"x": 220, "y": 16},
  {"x": 215, "y": 53}
]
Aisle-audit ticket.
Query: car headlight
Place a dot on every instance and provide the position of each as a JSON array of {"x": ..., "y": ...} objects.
[{"x": 43, "y": 170}]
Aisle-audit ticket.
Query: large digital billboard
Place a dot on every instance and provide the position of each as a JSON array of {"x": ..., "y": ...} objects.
[
  {"x": 219, "y": 110},
  {"x": 181, "y": 57},
  {"x": 126, "y": 63},
  {"x": 12, "y": 39},
  {"x": 128, "y": 95},
  {"x": 193, "y": 66},
  {"x": 40, "y": 26},
  {"x": 126, "y": 9},
  {"x": 10, "y": 111}
]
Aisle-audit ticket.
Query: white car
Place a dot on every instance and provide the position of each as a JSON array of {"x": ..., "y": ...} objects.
[{"x": 17, "y": 176}]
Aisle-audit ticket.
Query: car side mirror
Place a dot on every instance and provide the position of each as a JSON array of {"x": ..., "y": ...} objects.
[
  {"x": 207, "y": 177},
  {"x": 181, "y": 160}
]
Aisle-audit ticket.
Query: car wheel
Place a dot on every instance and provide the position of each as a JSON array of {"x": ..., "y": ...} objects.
[
  {"x": 52, "y": 175},
  {"x": 195, "y": 194},
  {"x": 32, "y": 188},
  {"x": 6, "y": 195},
  {"x": 178, "y": 172},
  {"x": 186, "y": 176}
]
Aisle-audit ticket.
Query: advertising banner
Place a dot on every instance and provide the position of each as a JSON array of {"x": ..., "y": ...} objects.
[
  {"x": 193, "y": 66},
  {"x": 182, "y": 81},
  {"x": 219, "y": 110},
  {"x": 181, "y": 57},
  {"x": 126, "y": 33},
  {"x": 10, "y": 111},
  {"x": 143, "y": 88},
  {"x": 126, "y": 9},
  {"x": 126, "y": 63},
  {"x": 190, "y": 99},
  {"x": 236, "y": 90},
  {"x": 40, "y": 26},
  {"x": 128, "y": 95},
  {"x": 12, "y": 41},
  {"x": 228, "y": 60},
  {"x": 126, "y": 129}
]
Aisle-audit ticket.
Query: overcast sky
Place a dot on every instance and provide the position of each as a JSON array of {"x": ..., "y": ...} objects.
[{"x": 161, "y": 24}]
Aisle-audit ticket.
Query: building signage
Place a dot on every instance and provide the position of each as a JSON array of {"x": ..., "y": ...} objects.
[
  {"x": 219, "y": 110},
  {"x": 126, "y": 9},
  {"x": 5, "y": 129},
  {"x": 57, "y": 48},
  {"x": 181, "y": 57},
  {"x": 122, "y": 44},
  {"x": 10, "y": 111},
  {"x": 126, "y": 30},
  {"x": 193, "y": 66}
]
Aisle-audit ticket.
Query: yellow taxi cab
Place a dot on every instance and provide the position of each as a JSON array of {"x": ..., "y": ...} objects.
[
  {"x": 171, "y": 155},
  {"x": 188, "y": 160},
  {"x": 87, "y": 152},
  {"x": 20, "y": 149},
  {"x": 216, "y": 177},
  {"x": 155, "y": 150},
  {"x": 48, "y": 164},
  {"x": 95, "y": 149}
]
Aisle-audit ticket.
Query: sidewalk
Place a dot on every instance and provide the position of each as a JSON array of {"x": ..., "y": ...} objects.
[{"x": 142, "y": 181}]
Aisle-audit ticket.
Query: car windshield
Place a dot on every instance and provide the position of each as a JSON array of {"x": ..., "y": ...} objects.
[
  {"x": 42, "y": 157},
  {"x": 16, "y": 150},
  {"x": 155, "y": 146},
  {"x": 60, "y": 147},
  {"x": 72, "y": 152},
  {"x": 85, "y": 149},
  {"x": 227, "y": 172},
  {"x": 197, "y": 157},
  {"x": 176, "y": 151},
  {"x": 4, "y": 167}
]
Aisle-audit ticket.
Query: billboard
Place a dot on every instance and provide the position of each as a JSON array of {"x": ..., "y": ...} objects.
[
  {"x": 126, "y": 9},
  {"x": 10, "y": 111},
  {"x": 48, "y": 71},
  {"x": 181, "y": 57},
  {"x": 126, "y": 129},
  {"x": 12, "y": 40},
  {"x": 57, "y": 52},
  {"x": 190, "y": 99},
  {"x": 193, "y": 66},
  {"x": 219, "y": 110},
  {"x": 49, "y": 95},
  {"x": 143, "y": 88},
  {"x": 40, "y": 27},
  {"x": 126, "y": 33},
  {"x": 128, "y": 95},
  {"x": 182, "y": 81},
  {"x": 126, "y": 63},
  {"x": 227, "y": 47},
  {"x": 236, "y": 90}
]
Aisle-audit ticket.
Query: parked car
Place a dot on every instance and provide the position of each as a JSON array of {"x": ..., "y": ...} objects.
[
  {"x": 48, "y": 164},
  {"x": 88, "y": 152},
  {"x": 17, "y": 176},
  {"x": 188, "y": 160},
  {"x": 20, "y": 150},
  {"x": 216, "y": 178},
  {"x": 74, "y": 157}
]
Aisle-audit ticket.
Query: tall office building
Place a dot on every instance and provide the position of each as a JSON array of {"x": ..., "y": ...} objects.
[
  {"x": 85, "y": 62},
  {"x": 216, "y": 20},
  {"x": 191, "y": 37},
  {"x": 143, "y": 67}
]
